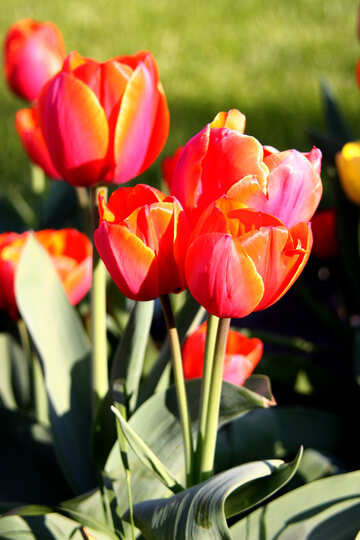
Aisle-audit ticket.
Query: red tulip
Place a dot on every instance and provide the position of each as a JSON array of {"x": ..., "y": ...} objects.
[
  {"x": 323, "y": 226},
  {"x": 70, "y": 251},
  {"x": 241, "y": 357},
  {"x": 168, "y": 166},
  {"x": 100, "y": 122},
  {"x": 240, "y": 260},
  {"x": 142, "y": 240},
  {"x": 33, "y": 53},
  {"x": 221, "y": 156}
]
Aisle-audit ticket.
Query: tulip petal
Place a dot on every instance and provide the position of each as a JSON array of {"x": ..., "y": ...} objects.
[
  {"x": 233, "y": 119},
  {"x": 212, "y": 162},
  {"x": 128, "y": 260},
  {"x": 124, "y": 201},
  {"x": 33, "y": 141},
  {"x": 160, "y": 130},
  {"x": 294, "y": 188},
  {"x": 134, "y": 125},
  {"x": 78, "y": 281},
  {"x": 222, "y": 277},
  {"x": 75, "y": 129}
]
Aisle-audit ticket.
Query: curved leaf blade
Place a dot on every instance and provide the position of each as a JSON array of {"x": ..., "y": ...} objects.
[
  {"x": 200, "y": 512},
  {"x": 64, "y": 350}
]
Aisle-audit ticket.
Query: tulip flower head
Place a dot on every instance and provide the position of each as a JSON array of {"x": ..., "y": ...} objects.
[
  {"x": 142, "y": 238},
  {"x": 70, "y": 251},
  {"x": 251, "y": 236},
  {"x": 33, "y": 53},
  {"x": 241, "y": 357},
  {"x": 348, "y": 167},
  {"x": 100, "y": 122}
]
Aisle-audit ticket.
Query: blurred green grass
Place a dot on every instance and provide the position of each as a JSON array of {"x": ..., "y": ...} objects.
[{"x": 265, "y": 58}]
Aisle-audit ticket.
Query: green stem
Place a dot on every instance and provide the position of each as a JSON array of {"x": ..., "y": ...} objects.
[
  {"x": 99, "y": 367},
  {"x": 209, "y": 442},
  {"x": 180, "y": 387},
  {"x": 212, "y": 327}
]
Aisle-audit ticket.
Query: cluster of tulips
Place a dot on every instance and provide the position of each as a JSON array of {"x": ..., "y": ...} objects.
[{"x": 233, "y": 227}]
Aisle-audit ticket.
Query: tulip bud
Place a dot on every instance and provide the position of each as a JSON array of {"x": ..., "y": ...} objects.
[
  {"x": 33, "y": 53},
  {"x": 241, "y": 356}
]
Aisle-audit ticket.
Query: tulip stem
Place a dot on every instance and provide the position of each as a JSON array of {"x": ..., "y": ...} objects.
[
  {"x": 211, "y": 332},
  {"x": 180, "y": 386},
  {"x": 210, "y": 432},
  {"x": 99, "y": 367}
]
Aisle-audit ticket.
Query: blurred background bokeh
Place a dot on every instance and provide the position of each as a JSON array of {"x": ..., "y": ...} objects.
[{"x": 265, "y": 58}]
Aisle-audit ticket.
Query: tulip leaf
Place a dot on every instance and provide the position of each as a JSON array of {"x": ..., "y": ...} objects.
[
  {"x": 200, "y": 512},
  {"x": 64, "y": 349},
  {"x": 278, "y": 431},
  {"x": 129, "y": 356},
  {"x": 156, "y": 422},
  {"x": 146, "y": 455},
  {"x": 326, "y": 508},
  {"x": 89, "y": 510},
  {"x": 28, "y": 461},
  {"x": 335, "y": 120},
  {"x": 34, "y": 522}
]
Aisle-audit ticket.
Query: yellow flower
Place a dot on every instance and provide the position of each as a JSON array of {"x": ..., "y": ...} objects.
[{"x": 348, "y": 166}]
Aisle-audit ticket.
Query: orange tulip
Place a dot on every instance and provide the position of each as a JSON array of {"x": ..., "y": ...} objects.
[
  {"x": 99, "y": 122},
  {"x": 240, "y": 260},
  {"x": 70, "y": 251},
  {"x": 323, "y": 226},
  {"x": 241, "y": 357},
  {"x": 142, "y": 238},
  {"x": 33, "y": 53}
]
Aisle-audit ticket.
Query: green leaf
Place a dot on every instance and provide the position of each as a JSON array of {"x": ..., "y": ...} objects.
[
  {"x": 28, "y": 467},
  {"x": 146, "y": 455},
  {"x": 15, "y": 385},
  {"x": 336, "y": 123},
  {"x": 278, "y": 432},
  {"x": 157, "y": 423},
  {"x": 129, "y": 356},
  {"x": 38, "y": 522},
  {"x": 324, "y": 509},
  {"x": 201, "y": 511},
  {"x": 64, "y": 350}
]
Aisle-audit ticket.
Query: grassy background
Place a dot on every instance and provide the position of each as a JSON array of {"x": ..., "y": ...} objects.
[{"x": 265, "y": 58}]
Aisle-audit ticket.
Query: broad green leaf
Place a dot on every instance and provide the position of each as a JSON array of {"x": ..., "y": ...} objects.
[
  {"x": 89, "y": 510},
  {"x": 157, "y": 423},
  {"x": 15, "y": 385},
  {"x": 28, "y": 466},
  {"x": 103, "y": 431},
  {"x": 201, "y": 511},
  {"x": 278, "y": 432},
  {"x": 64, "y": 350},
  {"x": 129, "y": 356},
  {"x": 146, "y": 455},
  {"x": 335, "y": 120},
  {"x": 325, "y": 509},
  {"x": 34, "y": 523}
]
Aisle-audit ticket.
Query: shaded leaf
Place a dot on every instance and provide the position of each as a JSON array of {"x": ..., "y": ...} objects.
[
  {"x": 327, "y": 508},
  {"x": 200, "y": 512},
  {"x": 64, "y": 350}
]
